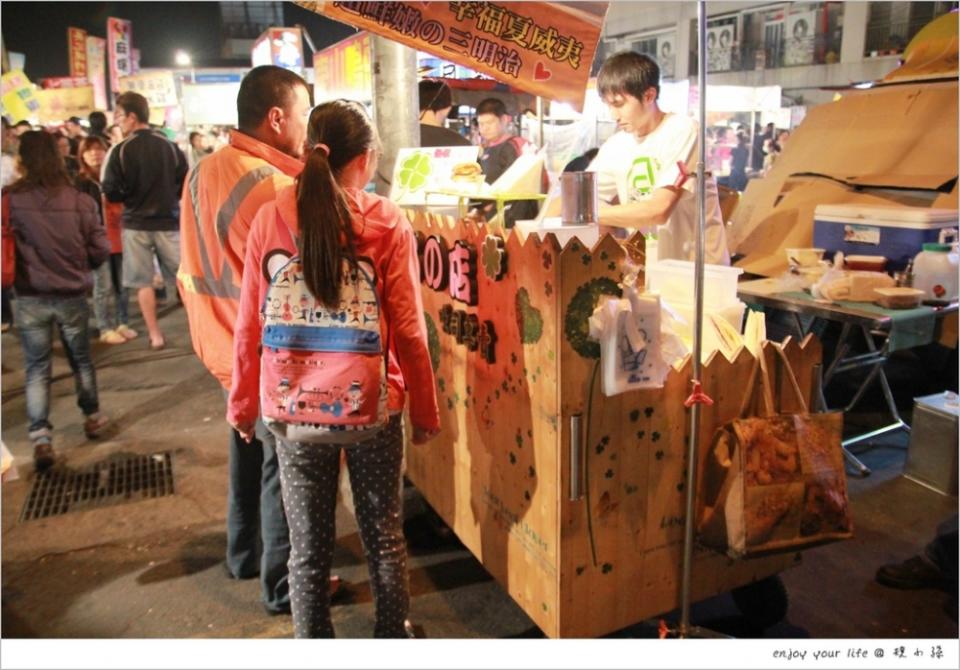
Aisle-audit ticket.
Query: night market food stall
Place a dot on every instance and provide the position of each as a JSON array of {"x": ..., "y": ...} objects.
[{"x": 574, "y": 500}]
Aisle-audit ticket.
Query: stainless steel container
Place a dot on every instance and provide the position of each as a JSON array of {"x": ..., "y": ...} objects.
[
  {"x": 580, "y": 201},
  {"x": 932, "y": 456}
]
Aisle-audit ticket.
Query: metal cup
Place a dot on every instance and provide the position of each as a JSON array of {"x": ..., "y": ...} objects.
[{"x": 580, "y": 200}]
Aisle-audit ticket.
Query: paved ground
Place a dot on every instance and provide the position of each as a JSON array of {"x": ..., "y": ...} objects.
[{"x": 152, "y": 568}]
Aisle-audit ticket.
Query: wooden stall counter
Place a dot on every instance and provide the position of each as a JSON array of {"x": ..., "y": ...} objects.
[{"x": 572, "y": 500}]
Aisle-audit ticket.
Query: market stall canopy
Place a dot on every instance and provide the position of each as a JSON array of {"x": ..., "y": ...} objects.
[
  {"x": 932, "y": 53},
  {"x": 543, "y": 48}
]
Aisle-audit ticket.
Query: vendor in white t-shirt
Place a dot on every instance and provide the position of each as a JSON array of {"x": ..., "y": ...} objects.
[{"x": 637, "y": 167}]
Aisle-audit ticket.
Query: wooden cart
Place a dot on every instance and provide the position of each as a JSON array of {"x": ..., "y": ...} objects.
[{"x": 521, "y": 406}]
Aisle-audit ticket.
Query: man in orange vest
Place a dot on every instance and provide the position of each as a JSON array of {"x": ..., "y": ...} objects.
[{"x": 222, "y": 195}]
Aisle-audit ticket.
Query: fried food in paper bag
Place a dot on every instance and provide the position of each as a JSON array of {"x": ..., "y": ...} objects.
[{"x": 770, "y": 450}]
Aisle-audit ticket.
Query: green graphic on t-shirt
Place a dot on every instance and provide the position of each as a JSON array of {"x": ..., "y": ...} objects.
[{"x": 641, "y": 178}]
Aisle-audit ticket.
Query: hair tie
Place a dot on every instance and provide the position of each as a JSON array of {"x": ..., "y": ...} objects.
[{"x": 324, "y": 148}]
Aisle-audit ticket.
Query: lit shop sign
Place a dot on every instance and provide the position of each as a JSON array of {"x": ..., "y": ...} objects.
[{"x": 456, "y": 272}]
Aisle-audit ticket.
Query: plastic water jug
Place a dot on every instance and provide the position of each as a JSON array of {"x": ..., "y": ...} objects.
[{"x": 935, "y": 272}]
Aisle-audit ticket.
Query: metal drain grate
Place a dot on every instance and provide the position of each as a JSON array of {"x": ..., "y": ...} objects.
[{"x": 110, "y": 482}]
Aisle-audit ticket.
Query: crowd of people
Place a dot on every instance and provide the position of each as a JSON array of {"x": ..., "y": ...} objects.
[{"x": 735, "y": 154}]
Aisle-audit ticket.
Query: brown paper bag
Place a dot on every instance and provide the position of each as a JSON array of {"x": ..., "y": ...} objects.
[{"x": 775, "y": 482}]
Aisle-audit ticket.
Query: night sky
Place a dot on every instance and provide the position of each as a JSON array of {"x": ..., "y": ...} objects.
[{"x": 39, "y": 30}]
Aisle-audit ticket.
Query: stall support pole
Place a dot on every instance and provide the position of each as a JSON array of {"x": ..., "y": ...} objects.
[
  {"x": 684, "y": 629},
  {"x": 541, "y": 142},
  {"x": 395, "y": 105}
]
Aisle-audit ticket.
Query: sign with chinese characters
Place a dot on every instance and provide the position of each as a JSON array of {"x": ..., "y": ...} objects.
[
  {"x": 119, "y": 45},
  {"x": 59, "y": 104},
  {"x": 19, "y": 101},
  {"x": 158, "y": 87},
  {"x": 96, "y": 61},
  {"x": 543, "y": 48},
  {"x": 282, "y": 47},
  {"x": 77, "y": 46},
  {"x": 455, "y": 271},
  {"x": 343, "y": 70}
]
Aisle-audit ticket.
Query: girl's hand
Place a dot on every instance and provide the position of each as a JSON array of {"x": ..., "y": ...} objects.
[{"x": 421, "y": 436}]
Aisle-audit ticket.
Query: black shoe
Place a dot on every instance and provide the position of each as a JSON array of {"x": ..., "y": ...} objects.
[
  {"x": 43, "y": 456},
  {"x": 283, "y": 610},
  {"x": 413, "y": 632},
  {"x": 226, "y": 571},
  {"x": 913, "y": 573},
  {"x": 338, "y": 589}
]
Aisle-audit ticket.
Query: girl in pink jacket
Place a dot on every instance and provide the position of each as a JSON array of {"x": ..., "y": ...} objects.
[{"x": 329, "y": 339}]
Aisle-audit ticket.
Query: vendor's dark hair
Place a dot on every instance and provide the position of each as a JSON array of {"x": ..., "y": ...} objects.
[
  {"x": 345, "y": 130},
  {"x": 264, "y": 87},
  {"x": 434, "y": 95},
  {"x": 41, "y": 164},
  {"x": 492, "y": 106},
  {"x": 136, "y": 104},
  {"x": 628, "y": 72}
]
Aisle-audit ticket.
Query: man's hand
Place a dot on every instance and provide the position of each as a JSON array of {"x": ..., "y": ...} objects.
[
  {"x": 246, "y": 431},
  {"x": 421, "y": 436}
]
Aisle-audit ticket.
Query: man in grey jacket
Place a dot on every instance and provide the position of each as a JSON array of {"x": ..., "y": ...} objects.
[{"x": 145, "y": 172}]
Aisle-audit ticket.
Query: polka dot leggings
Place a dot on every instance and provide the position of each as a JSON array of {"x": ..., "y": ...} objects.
[{"x": 308, "y": 477}]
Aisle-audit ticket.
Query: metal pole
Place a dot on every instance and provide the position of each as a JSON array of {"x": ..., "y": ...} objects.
[
  {"x": 698, "y": 321},
  {"x": 540, "y": 141},
  {"x": 395, "y": 106}
]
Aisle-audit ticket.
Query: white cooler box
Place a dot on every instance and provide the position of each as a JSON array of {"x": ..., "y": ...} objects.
[{"x": 898, "y": 233}]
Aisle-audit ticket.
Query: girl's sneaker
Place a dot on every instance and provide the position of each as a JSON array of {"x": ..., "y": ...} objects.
[
  {"x": 126, "y": 331},
  {"x": 112, "y": 337}
]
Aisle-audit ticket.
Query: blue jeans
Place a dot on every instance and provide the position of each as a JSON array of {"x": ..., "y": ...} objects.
[
  {"x": 257, "y": 533},
  {"x": 36, "y": 318},
  {"x": 110, "y": 298}
]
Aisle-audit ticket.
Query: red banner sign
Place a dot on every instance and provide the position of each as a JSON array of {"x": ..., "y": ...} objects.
[
  {"x": 77, "y": 47},
  {"x": 544, "y": 48},
  {"x": 119, "y": 44},
  {"x": 63, "y": 82}
]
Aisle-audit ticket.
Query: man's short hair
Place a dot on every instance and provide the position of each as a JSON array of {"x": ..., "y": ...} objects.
[
  {"x": 434, "y": 95},
  {"x": 264, "y": 87},
  {"x": 136, "y": 104},
  {"x": 98, "y": 121},
  {"x": 628, "y": 72},
  {"x": 493, "y": 106}
]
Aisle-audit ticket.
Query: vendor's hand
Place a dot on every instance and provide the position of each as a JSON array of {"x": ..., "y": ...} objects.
[{"x": 422, "y": 436}]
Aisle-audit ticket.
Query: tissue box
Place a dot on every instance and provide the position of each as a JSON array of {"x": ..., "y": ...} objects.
[{"x": 898, "y": 233}]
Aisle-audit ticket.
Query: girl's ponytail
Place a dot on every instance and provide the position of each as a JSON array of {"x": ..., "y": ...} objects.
[
  {"x": 340, "y": 131},
  {"x": 326, "y": 229}
]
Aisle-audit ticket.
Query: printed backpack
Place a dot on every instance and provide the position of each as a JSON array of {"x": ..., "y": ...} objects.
[{"x": 320, "y": 368}]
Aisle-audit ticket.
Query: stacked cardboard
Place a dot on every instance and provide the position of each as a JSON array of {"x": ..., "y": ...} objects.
[{"x": 893, "y": 144}]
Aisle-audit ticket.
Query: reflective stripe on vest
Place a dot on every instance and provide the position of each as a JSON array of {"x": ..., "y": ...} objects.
[{"x": 223, "y": 287}]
